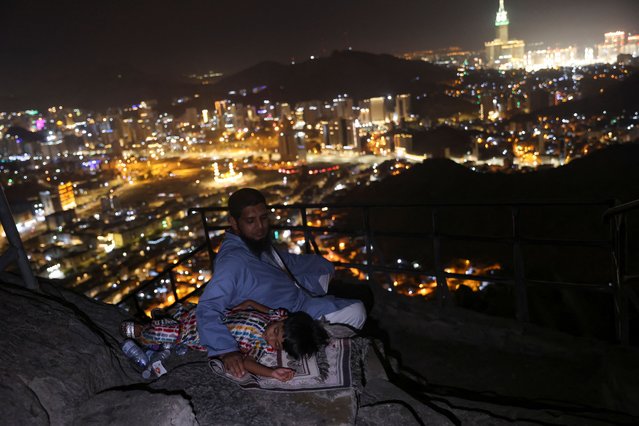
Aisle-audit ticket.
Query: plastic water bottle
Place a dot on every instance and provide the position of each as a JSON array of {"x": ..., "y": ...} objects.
[
  {"x": 162, "y": 355},
  {"x": 135, "y": 353},
  {"x": 155, "y": 366},
  {"x": 181, "y": 350}
]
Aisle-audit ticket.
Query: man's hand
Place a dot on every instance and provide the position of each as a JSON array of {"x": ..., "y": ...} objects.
[
  {"x": 283, "y": 374},
  {"x": 234, "y": 363}
]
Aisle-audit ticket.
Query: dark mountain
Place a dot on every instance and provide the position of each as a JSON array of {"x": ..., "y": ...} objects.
[
  {"x": 96, "y": 87},
  {"x": 24, "y": 134},
  {"x": 440, "y": 105},
  {"x": 358, "y": 74},
  {"x": 436, "y": 142},
  {"x": 603, "y": 176},
  {"x": 609, "y": 173},
  {"x": 614, "y": 98}
]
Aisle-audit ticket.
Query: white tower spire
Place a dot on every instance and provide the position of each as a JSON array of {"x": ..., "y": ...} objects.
[
  {"x": 502, "y": 15},
  {"x": 501, "y": 22}
]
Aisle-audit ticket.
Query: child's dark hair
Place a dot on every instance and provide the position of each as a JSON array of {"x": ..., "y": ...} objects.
[{"x": 303, "y": 336}]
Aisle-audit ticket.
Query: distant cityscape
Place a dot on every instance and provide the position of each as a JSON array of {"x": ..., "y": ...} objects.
[
  {"x": 102, "y": 198},
  {"x": 504, "y": 53}
]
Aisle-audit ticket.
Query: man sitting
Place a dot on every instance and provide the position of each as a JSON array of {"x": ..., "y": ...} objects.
[{"x": 247, "y": 266}]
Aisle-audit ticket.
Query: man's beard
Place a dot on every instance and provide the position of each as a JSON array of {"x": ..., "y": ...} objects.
[{"x": 257, "y": 247}]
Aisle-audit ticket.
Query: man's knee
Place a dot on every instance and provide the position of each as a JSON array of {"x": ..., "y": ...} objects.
[
  {"x": 353, "y": 315},
  {"x": 359, "y": 314}
]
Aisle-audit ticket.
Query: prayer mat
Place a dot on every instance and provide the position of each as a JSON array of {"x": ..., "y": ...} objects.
[{"x": 330, "y": 368}]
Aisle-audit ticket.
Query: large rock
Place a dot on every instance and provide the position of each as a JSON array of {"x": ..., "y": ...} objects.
[
  {"x": 135, "y": 407},
  {"x": 493, "y": 359},
  {"x": 54, "y": 355},
  {"x": 218, "y": 401},
  {"x": 62, "y": 364}
]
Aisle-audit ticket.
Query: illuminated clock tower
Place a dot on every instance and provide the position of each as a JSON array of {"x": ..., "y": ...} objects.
[
  {"x": 501, "y": 23},
  {"x": 503, "y": 53}
]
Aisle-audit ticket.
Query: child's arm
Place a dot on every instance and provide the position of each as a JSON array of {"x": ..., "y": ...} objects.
[
  {"x": 282, "y": 374},
  {"x": 248, "y": 304}
]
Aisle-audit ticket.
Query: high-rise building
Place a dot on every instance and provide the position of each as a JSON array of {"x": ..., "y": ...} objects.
[
  {"x": 364, "y": 116},
  {"x": 403, "y": 143},
  {"x": 632, "y": 45},
  {"x": 220, "y": 108},
  {"x": 551, "y": 57},
  {"x": 284, "y": 111},
  {"x": 62, "y": 199},
  {"x": 190, "y": 116},
  {"x": 402, "y": 107},
  {"x": 378, "y": 110},
  {"x": 47, "y": 202},
  {"x": 343, "y": 107},
  {"x": 310, "y": 112},
  {"x": 615, "y": 38},
  {"x": 67, "y": 198},
  {"x": 501, "y": 23},
  {"x": 502, "y": 52},
  {"x": 239, "y": 116},
  {"x": 291, "y": 143},
  {"x": 614, "y": 44},
  {"x": 339, "y": 133}
]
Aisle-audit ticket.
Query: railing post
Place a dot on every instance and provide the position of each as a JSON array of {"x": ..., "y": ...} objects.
[
  {"x": 307, "y": 233},
  {"x": 443, "y": 294},
  {"x": 521, "y": 295},
  {"x": 16, "y": 249},
  {"x": 173, "y": 286},
  {"x": 138, "y": 308},
  {"x": 369, "y": 239},
  {"x": 209, "y": 246},
  {"x": 618, "y": 253}
]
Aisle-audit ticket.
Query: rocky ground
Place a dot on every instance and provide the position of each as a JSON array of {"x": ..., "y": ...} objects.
[{"x": 418, "y": 364}]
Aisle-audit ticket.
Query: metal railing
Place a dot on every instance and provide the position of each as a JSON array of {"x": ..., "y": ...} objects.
[
  {"x": 623, "y": 293},
  {"x": 15, "y": 252},
  {"x": 131, "y": 300},
  {"x": 613, "y": 244}
]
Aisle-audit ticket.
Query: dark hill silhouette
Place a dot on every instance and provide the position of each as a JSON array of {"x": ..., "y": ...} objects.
[
  {"x": 63, "y": 365},
  {"x": 358, "y": 74},
  {"x": 24, "y": 134},
  {"x": 440, "y": 105},
  {"x": 97, "y": 87},
  {"x": 607, "y": 174},
  {"x": 615, "y": 98},
  {"x": 435, "y": 142}
]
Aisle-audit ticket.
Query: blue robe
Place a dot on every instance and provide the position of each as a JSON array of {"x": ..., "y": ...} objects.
[{"x": 240, "y": 275}]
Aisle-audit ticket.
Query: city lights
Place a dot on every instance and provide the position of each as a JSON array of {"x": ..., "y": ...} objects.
[{"x": 114, "y": 185}]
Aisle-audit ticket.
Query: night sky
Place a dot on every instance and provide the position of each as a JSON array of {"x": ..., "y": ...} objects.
[{"x": 188, "y": 36}]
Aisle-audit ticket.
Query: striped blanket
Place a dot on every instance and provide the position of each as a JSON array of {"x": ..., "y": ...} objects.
[{"x": 330, "y": 368}]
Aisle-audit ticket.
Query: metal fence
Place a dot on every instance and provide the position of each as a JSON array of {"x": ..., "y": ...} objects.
[{"x": 302, "y": 219}]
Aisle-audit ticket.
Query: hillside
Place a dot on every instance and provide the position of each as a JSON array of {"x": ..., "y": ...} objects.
[
  {"x": 613, "y": 98},
  {"x": 94, "y": 86},
  {"x": 62, "y": 364},
  {"x": 360, "y": 75},
  {"x": 604, "y": 176}
]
